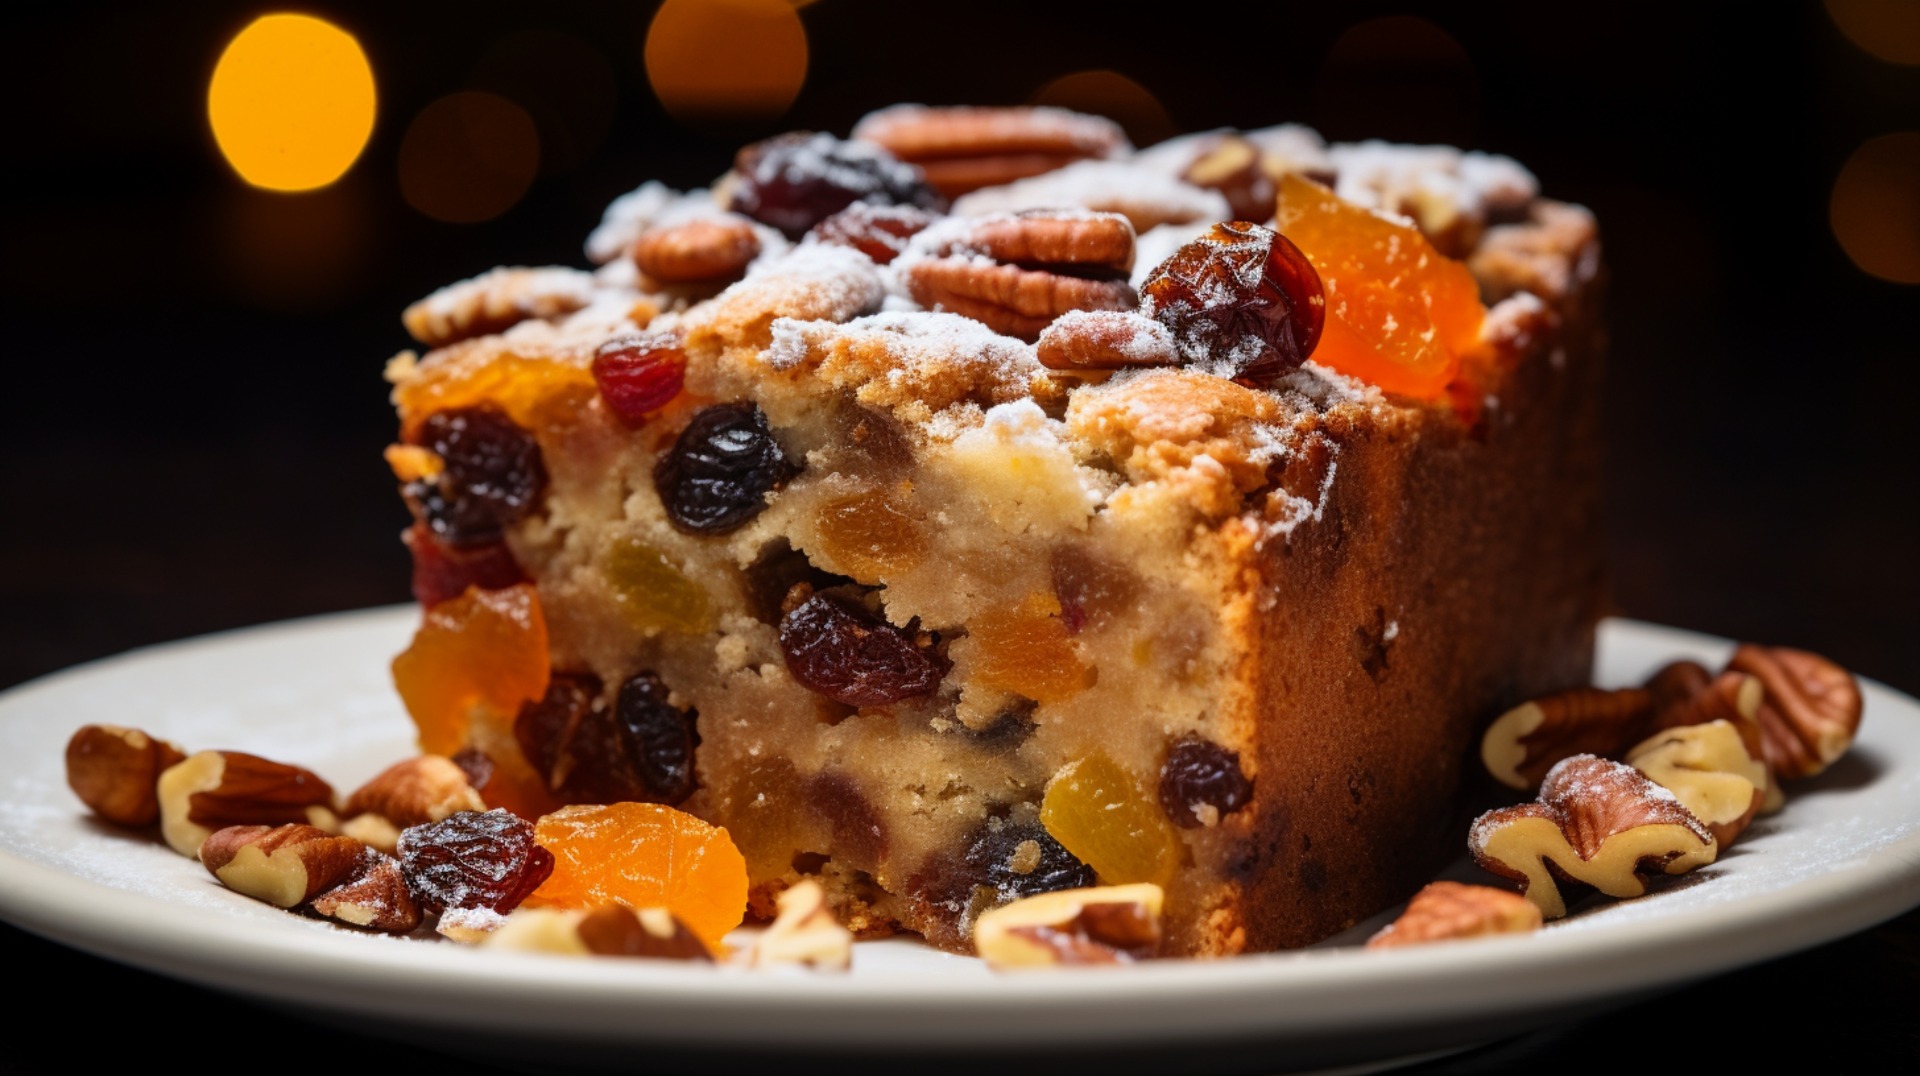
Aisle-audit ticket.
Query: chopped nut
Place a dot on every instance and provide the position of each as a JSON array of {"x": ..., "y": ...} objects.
[
  {"x": 216, "y": 789},
  {"x": 114, "y": 771},
  {"x": 539, "y": 930},
  {"x": 416, "y": 791},
  {"x": 704, "y": 250},
  {"x": 374, "y": 831},
  {"x": 1598, "y": 822},
  {"x": 1525, "y": 742},
  {"x": 1711, "y": 770},
  {"x": 374, "y": 896},
  {"x": 1811, "y": 711},
  {"x": 1105, "y": 340},
  {"x": 469, "y": 926},
  {"x": 1018, "y": 272},
  {"x": 1447, "y": 910},
  {"x": 495, "y": 302},
  {"x": 282, "y": 865},
  {"x": 804, "y": 931},
  {"x": 1102, "y": 925},
  {"x": 615, "y": 930},
  {"x": 1233, "y": 166},
  {"x": 964, "y": 149}
]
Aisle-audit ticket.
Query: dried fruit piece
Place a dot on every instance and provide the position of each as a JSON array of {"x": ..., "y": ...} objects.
[
  {"x": 473, "y": 860},
  {"x": 644, "y": 855},
  {"x": 659, "y": 738},
  {"x": 838, "y": 649},
  {"x": 1092, "y": 590},
  {"x": 1021, "y": 859},
  {"x": 492, "y": 475},
  {"x": 479, "y": 656},
  {"x": 719, "y": 471},
  {"x": 653, "y": 594},
  {"x": 1598, "y": 822},
  {"x": 1443, "y": 911},
  {"x": 794, "y": 181},
  {"x": 871, "y": 534},
  {"x": 1241, "y": 298},
  {"x": 639, "y": 373},
  {"x": 640, "y": 749},
  {"x": 114, "y": 771},
  {"x": 1025, "y": 650},
  {"x": 878, "y": 231},
  {"x": 1107, "y": 925},
  {"x": 1399, "y": 314},
  {"x": 1201, "y": 782},
  {"x": 442, "y": 572},
  {"x": 1107, "y": 817},
  {"x": 533, "y": 391}
]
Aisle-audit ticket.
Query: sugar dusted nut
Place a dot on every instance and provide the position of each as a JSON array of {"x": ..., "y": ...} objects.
[
  {"x": 282, "y": 865},
  {"x": 1443, "y": 911},
  {"x": 1043, "y": 237},
  {"x": 374, "y": 895},
  {"x": 1525, "y": 742},
  {"x": 114, "y": 770},
  {"x": 416, "y": 791},
  {"x": 469, "y": 926},
  {"x": 1019, "y": 272},
  {"x": 804, "y": 931},
  {"x": 1598, "y": 822},
  {"x": 216, "y": 789},
  {"x": 963, "y": 149},
  {"x": 1811, "y": 711},
  {"x": 704, "y": 250},
  {"x": 1102, "y": 925},
  {"x": 1105, "y": 340},
  {"x": 1009, "y": 300},
  {"x": 373, "y": 830},
  {"x": 495, "y": 302},
  {"x": 1712, "y": 771}
]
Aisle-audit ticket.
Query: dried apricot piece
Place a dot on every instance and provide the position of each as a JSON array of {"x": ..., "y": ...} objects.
[
  {"x": 644, "y": 855},
  {"x": 1103, "y": 814},
  {"x": 535, "y": 392},
  {"x": 1027, "y": 650},
  {"x": 474, "y": 662},
  {"x": 1400, "y": 314},
  {"x": 871, "y": 535}
]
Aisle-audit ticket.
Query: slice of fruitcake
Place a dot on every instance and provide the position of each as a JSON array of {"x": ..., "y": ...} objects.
[{"x": 952, "y": 554}]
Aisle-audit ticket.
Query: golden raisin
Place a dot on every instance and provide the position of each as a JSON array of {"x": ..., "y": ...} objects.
[
  {"x": 653, "y": 594},
  {"x": 1026, "y": 650},
  {"x": 871, "y": 535},
  {"x": 644, "y": 855},
  {"x": 1107, "y": 817}
]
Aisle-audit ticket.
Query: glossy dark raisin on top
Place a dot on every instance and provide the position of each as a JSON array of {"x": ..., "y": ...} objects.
[
  {"x": 1201, "y": 773},
  {"x": 794, "y": 181},
  {"x": 473, "y": 859},
  {"x": 1241, "y": 298},
  {"x": 493, "y": 475},
  {"x": 718, "y": 473},
  {"x": 835, "y": 647}
]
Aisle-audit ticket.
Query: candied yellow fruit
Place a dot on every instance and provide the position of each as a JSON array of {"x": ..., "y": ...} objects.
[
  {"x": 652, "y": 593},
  {"x": 1107, "y": 817},
  {"x": 871, "y": 535}
]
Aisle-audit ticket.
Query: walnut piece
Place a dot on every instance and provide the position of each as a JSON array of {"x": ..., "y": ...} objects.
[
  {"x": 1102, "y": 925},
  {"x": 1598, "y": 822},
  {"x": 803, "y": 932},
  {"x": 114, "y": 771},
  {"x": 212, "y": 790},
  {"x": 282, "y": 865},
  {"x": 611, "y": 931},
  {"x": 1443, "y": 911}
]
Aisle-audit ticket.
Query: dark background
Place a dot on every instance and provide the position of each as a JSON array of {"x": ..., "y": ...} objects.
[{"x": 192, "y": 417}]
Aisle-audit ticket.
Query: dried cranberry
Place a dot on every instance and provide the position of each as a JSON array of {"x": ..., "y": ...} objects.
[
  {"x": 493, "y": 475},
  {"x": 996, "y": 860},
  {"x": 795, "y": 181},
  {"x": 442, "y": 572},
  {"x": 1201, "y": 774},
  {"x": 1241, "y": 298},
  {"x": 473, "y": 860},
  {"x": 878, "y": 231},
  {"x": 717, "y": 474},
  {"x": 660, "y": 739},
  {"x": 840, "y": 650},
  {"x": 639, "y": 374}
]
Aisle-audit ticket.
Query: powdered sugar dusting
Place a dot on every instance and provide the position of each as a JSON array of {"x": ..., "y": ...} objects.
[{"x": 1146, "y": 196}]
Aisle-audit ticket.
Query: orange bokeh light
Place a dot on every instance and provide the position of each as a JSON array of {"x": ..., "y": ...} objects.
[
  {"x": 1115, "y": 96},
  {"x": 468, "y": 157},
  {"x": 1875, "y": 209},
  {"x": 1886, "y": 29},
  {"x": 726, "y": 61},
  {"x": 291, "y": 102}
]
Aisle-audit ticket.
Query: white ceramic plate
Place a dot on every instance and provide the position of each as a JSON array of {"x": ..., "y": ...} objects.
[{"x": 1844, "y": 855}]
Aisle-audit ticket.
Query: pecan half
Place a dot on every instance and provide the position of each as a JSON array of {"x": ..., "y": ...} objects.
[
  {"x": 1105, "y": 340},
  {"x": 1525, "y": 742},
  {"x": 963, "y": 149},
  {"x": 416, "y": 791},
  {"x": 495, "y": 302},
  {"x": 212, "y": 790},
  {"x": 1598, "y": 822},
  {"x": 1711, "y": 769},
  {"x": 1811, "y": 710},
  {"x": 374, "y": 895},
  {"x": 1233, "y": 166},
  {"x": 1018, "y": 272},
  {"x": 614, "y": 930},
  {"x": 1443, "y": 911},
  {"x": 704, "y": 250},
  {"x": 114, "y": 770},
  {"x": 282, "y": 865}
]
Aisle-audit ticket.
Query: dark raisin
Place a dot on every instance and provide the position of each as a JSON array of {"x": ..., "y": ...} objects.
[
  {"x": 878, "y": 231},
  {"x": 998, "y": 861},
  {"x": 795, "y": 181},
  {"x": 719, "y": 471},
  {"x": 1201, "y": 774},
  {"x": 1241, "y": 299},
  {"x": 838, "y": 649},
  {"x": 493, "y": 475},
  {"x": 660, "y": 739},
  {"x": 639, "y": 374},
  {"x": 1010, "y": 728},
  {"x": 473, "y": 860},
  {"x": 442, "y": 572}
]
